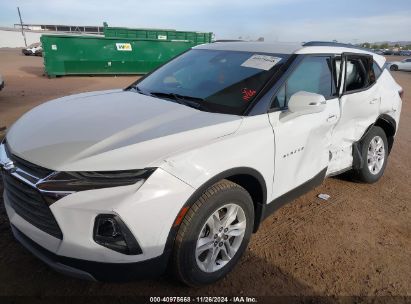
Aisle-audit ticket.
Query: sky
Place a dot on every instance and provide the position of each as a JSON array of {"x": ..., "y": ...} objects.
[{"x": 351, "y": 21}]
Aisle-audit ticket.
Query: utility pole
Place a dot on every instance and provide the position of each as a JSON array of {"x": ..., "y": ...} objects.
[{"x": 22, "y": 30}]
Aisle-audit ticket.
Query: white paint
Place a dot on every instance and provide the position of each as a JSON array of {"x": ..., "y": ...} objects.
[
  {"x": 100, "y": 127},
  {"x": 117, "y": 130}
]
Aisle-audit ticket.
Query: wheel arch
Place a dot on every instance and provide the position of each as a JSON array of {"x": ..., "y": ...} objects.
[
  {"x": 248, "y": 178},
  {"x": 389, "y": 126}
]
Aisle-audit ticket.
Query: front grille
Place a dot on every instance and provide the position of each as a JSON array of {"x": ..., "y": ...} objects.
[
  {"x": 28, "y": 167},
  {"x": 29, "y": 204}
]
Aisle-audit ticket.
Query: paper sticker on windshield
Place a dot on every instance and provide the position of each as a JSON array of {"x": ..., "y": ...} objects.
[{"x": 262, "y": 62}]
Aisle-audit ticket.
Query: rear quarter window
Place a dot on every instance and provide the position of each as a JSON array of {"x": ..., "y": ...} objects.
[{"x": 377, "y": 70}]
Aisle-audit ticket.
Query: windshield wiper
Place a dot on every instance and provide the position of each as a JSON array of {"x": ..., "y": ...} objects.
[
  {"x": 190, "y": 101},
  {"x": 138, "y": 90}
]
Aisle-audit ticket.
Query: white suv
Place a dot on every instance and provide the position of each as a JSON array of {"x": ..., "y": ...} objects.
[{"x": 182, "y": 166}]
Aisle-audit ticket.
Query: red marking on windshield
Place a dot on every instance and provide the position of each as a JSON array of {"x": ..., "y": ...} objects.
[{"x": 247, "y": 94}]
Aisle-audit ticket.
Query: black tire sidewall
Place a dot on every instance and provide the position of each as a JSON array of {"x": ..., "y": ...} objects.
[
  {"x": 193, "y": 274},
  {"x": 394, "y": 68},
  {"x": 364, "y": 172}
]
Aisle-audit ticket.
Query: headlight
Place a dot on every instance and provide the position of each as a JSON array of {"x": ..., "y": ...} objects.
[
  {"x": 60, "y": 184},
  {"x": 79, "y": 181}
]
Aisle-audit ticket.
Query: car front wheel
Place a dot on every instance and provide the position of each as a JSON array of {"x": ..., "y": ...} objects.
[
  {"x": 394, "y": 67},
  {"x": 214, "y": 234}
]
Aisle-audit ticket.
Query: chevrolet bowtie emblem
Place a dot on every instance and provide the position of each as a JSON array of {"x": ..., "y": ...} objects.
[{"x": 9, "y": 166}]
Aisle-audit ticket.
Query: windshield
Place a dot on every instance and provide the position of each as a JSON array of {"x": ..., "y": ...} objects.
[{"x": 212, "y": 80}]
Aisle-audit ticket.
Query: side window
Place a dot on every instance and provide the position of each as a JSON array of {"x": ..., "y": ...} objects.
[
  {"x": 279, "y": 99},
  {"x": 359, "y": 73},
  {"x": 313, "y": 74},
  {"x": 337, "y": 74},
  {"x": 377, "y": 70}
]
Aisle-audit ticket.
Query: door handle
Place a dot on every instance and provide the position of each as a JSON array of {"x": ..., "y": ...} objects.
[
  {"x": 317, "y": 103},
  {"x": 331, "y": 118},
  {"x": 375, "y": 100}
]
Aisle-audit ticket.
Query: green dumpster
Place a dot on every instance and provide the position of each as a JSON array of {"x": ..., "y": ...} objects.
[
  {"x": 93, "y": 55},
  {"x": 157, "y": 34}
]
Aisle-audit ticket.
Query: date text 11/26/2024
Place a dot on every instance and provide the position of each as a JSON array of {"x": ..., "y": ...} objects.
[{"x": 208, "y": 299}]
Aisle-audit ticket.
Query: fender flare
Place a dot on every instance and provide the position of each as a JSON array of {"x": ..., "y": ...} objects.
[
  {"x": 358, "y": 161},
  {"x": 258, "y": 206}
]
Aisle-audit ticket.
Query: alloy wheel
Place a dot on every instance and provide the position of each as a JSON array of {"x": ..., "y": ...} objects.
[
  {"x": 376, "y": 155},
  {"x": 220, "y": 237}
]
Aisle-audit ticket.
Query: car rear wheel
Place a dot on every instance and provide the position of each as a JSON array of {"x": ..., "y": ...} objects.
[
  {"x": 214, "y": 234},
  {"x": 374, "y": 151},
  {"x": 394, "y": 67}
]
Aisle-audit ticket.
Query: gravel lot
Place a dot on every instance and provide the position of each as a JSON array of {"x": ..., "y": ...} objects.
[{"x": 357, "y": 243}]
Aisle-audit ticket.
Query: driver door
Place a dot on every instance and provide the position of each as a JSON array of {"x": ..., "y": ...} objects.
[{"x": 302, "y": 141}]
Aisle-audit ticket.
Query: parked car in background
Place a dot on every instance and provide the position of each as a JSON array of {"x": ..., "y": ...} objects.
[
  {"x": 405, "y": 53},
  {"x": 182, "y": 166},
  {"x": 34, "y": 49},
  {"x": 404, "y": 65},
  {"x": 1, "y": 83}
]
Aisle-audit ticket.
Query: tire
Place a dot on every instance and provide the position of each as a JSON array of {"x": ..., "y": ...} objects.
[
  {"x": 370, "y": 173},
  {"x": 394, "y": 67},
  {"x": 192, "y": 268}
]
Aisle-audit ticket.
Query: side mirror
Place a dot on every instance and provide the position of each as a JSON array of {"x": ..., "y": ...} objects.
[{"x": 306, "y": 103}]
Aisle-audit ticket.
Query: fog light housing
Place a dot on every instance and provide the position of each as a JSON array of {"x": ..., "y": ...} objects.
[{"x": 111, "y": 232}]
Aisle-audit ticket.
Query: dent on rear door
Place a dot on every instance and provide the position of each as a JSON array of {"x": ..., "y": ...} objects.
[{"x": 359, "y": 109}]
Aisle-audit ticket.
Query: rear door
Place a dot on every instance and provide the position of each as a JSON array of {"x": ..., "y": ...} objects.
[{"x": 360, "y": 103}]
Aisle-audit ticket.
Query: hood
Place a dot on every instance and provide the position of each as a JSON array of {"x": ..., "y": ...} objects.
[{"x": 112, "y": 130}]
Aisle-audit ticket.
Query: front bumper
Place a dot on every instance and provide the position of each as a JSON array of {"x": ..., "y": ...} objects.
[
  {"x": 95, "y": 271},
  {"x": 149, "y": 211}
]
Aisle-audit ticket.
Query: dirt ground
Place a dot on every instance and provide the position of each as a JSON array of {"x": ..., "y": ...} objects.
[{"x": 356, "y": 243}]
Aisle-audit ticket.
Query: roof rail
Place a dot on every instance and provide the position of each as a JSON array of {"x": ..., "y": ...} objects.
[
  {"x": 229, "y": 40},
  {"x": 330, "y": 43}
]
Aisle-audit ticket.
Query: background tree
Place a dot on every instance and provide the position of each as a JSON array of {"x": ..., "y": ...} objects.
[{"x": 384, "y": 45}]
